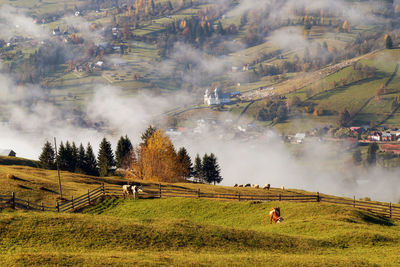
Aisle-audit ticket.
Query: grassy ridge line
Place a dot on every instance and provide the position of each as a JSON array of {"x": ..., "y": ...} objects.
[{"x": 18, "y": 161}]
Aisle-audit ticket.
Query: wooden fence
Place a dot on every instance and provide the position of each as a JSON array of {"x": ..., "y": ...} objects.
[
  {"x": 385, "y": 209},
  {"x": 158, "y": 191},
  {"x": 11, "y": 201},
  {"x": 82, "y": 201}
]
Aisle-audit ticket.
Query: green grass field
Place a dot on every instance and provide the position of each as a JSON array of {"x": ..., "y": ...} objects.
[{"x": 183, "y": 232}]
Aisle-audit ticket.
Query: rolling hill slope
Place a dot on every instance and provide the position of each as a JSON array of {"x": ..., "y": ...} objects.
[{"x": 198, "y": 232}]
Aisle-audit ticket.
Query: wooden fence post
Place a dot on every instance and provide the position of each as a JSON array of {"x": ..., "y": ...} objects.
[
  {"x": 42, "y": 206},
  {"x": 72, "y": 202},
  {"x": 13, "y": 200},
  {"x": 318, "y": 199},
  {"x": 88, "y": 195},
  {"x": 390, "y": 210},
  {"x": 102, "y": 189},
  {"x": 280, "y": 197},
  {"x": 238, "y": 196},
  {"x": 198, "y": 193},
  {"x": 27, "y": 201},
  {"x": 58, "y": 206},
  {"x": 354, "y": 201},
  {"x": 159, "y": 188}
]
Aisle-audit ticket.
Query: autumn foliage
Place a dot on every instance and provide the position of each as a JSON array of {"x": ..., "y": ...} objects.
[{"x": 157, "y": 161}]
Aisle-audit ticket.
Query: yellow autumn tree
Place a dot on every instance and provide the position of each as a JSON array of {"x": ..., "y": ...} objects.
[
  {"x": 157, "y": 161},
  {"x": 346, "y": 27}
]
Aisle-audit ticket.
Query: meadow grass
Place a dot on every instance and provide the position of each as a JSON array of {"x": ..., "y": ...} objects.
[{"x": 198, "y": 232}]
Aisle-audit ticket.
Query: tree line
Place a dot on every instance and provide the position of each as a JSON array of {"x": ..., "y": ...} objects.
[{"x": 154, "y": 159}]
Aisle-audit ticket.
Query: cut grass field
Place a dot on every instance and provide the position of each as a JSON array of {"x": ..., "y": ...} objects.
[{"x": 183, "y": 232}]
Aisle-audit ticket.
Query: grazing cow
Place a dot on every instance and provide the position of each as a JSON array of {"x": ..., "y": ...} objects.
[
  {"x": 282, "y": 188},
  {"x": 127, "y": 190},
  {"x": 240, "y": 185},
  {"x": 275, "y": 215},
  {"x": 236, "y": 185},
  {"x": 267, "y": 186},
  {"x": 247, "y": 185},
  {"x": 256, "y": 186},
  {"x": 131, "y": 190}
]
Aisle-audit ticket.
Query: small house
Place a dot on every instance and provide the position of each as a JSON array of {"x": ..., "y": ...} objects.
[
  {"x": 56, "y": 32},
  {"x": 387, "y": 137},
  {"x": 375, "y": 136},
  {"x": 299, "y": 138},
  {"x": 237, "y": 93},
  {"x": 357, "y": 130},
  {"x": 7, "y": 153}
]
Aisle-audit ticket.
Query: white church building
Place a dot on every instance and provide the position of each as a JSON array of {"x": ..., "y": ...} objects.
[{"x": 216, "y": 98}]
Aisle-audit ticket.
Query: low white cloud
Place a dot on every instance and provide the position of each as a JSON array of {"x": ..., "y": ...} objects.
[{"x": 14, "y": 22}]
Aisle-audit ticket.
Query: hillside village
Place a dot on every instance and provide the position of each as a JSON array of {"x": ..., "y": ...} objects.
[{"x": 264, "y": 133}]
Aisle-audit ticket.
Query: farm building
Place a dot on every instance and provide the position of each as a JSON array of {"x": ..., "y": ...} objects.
[
  {"x": 216, "y": 98},
  {"x": 375, "y": 136},
  {"x": 387, "y": 137},
  {"x": 7, "y": 153},
  {"x": 299, "y": 138}
]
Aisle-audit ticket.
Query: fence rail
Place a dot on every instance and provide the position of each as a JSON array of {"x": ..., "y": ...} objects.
[{"x": 158, "y": 191}]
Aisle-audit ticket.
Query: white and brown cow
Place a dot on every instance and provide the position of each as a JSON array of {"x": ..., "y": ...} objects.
[
  {"x": 275, "y": 215},
  {"x": 131, "y": 190}
]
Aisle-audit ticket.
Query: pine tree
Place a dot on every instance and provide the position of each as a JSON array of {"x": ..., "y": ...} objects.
[
  {"x": 147, "y": 134},
  {"x": 74, "y": 157},
  {"x": 62, "y": 157},
  {"x": 124, "y": 146},
  {"x": 81, "y": 160},
  {"x": 47, "y": 158},
  {"x": 371, "y": 153},
  {"x": 185, "y": 162},
  {"x": 90, "y": 163},
  {"x": 221, "y": 29},
  {"x": 211, "y": 169},
  {"x": 357, "y": 157},
  {"x": 388, "y": 42},
  {"x": 243, "y": 19},
  {"x": 198, "y": 169},
  {"x": 344, "y": 117},
  {"x": 105, "y": 158}
]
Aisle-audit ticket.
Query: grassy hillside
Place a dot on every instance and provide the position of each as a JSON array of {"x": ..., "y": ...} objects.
[
  {"x": 198, "y": 232},
  {"x": 39, "y": 185},
  {"x": 358, "y": 96},
  {"x": 18, "y": 161}
]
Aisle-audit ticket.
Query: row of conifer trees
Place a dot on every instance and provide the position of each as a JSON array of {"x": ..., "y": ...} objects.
[
  {"x": 155, "y": 158},
  {"x": 72, "y": 158}
]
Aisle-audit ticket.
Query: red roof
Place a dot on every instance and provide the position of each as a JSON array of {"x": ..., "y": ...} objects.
[{"x": 390, "y": 148}]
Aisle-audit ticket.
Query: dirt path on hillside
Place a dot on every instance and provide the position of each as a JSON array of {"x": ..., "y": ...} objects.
[{"x": 306, "y": 79}]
